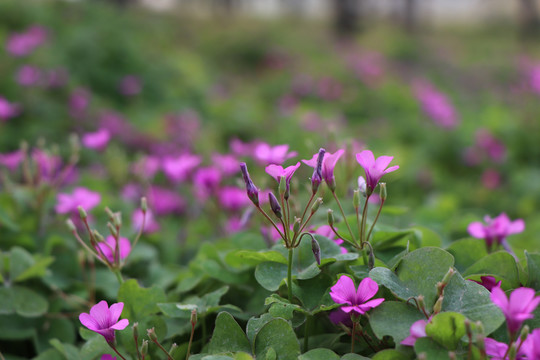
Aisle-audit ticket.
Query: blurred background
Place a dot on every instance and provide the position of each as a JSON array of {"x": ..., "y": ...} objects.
[{"x": 450, "y": 88}]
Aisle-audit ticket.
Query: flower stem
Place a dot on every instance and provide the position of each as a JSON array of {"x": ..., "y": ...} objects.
[
  {"x": 116, "y": 351},
  {"x": 306, "y": 332},
  {"x": 374, "y": 221},
  {"x": 169, "y": 357},
  {"x": 344, "y": 217},
  {"x": 289, "y": 274},
  {"x": 190, "y": 340},
  {"x": 118, "y": 276},
  {"x": 363, "y": 226},
  {"x": 352, "y": 336}
]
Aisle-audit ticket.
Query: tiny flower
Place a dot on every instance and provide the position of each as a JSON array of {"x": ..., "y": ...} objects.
[
  {"x": 277, "y": 172},
  {"x": 78, "y": 102},
  {"x": 22, "y": 44},
  {"x": 531, "y": 346},
  {"x": 436, "y": 105},
  {"x": 375, "y": 169},
  {"x": 164, "y": 201},
  {"x": 108, "y": 248},
  {"x": 104, "y": 320},
  {"x": 344, "y": 292},
  {"x": 266, "y": 154},
  {"x": 96, "y": 140},
  {"x": 518, "y": 308},
  {"x": 417, "y": 330},
  {"x": 328, "y": 165},
  {"x": 29, "y": 76},
  {"x": 228, "y": 164},
  {"x": 67, "y": 203},
  {"x": 496, "y": 230},
  {"x": 178, "y": 168},
  {"x": 7, "y": 109},
  {"x": 206, "y": 181},
  {"x": 489, "y": 282}
]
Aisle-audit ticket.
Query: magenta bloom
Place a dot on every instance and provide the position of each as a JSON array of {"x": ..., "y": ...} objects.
[
  {"x": 150, "y": 224},
  {"x": 104, "y": 320},
  {"x": 344, "y": 292},
  {"x": 495, "y": 230},
  {"x": 531, "y": 346},
  {"x": 7, "y": 109},
  {"x": 107, "y": 357},
  {"x": 499, "y": 351},
  {"x": 232, "y": 198},
  {"x": 146, "y": 167},
  {"x": 489, "y": 282},
  {"x": 12, "y": 160},
  {"x": 326, "y": 231},
  {"x": 375, "y": 169},
  {"x": 108, "y": 248},
  {"x": 228, "y": 164},
  {"x": 97, "y": 140},
  {"x": 518, "y": 308},
  {"x": 164, "y": 201},
  {"x": 418, "y": 330},
  {"x": 436, "y": 105},
  {"x": 22, "y": 44},
  {"x": 206, "y": 181},
  {"x": 266, "y": 154},
  {"x": 277, "y": 172},
  {"x": 130, "y": 85},
  {"x": 178, "y": 168},
  {"x": 67, "y": 203},
  {"x": 29, "y": 75},
  {"x": 328, "y": 165},
  {"x": 79, "y": 101}
]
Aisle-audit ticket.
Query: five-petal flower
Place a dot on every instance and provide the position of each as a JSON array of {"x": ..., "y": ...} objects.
[
  {"x": 104, "y": 320},
  {"x": 344, "y": 292}
]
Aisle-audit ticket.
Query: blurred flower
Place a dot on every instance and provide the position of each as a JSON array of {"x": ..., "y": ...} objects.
[
  {"x": 286, "y": 104},
  {"x": 531, "y": 346},
  {"x": 55, "y": 78},
  {"x": 489, "y": 282},
  {"x": 302, "y": 85},
  {"x": 338, "y": 316},
  {"x": 206, "y": 181},
  {"x": 326, "y": 231},
  {"x": 491, "y": 146},
  {"x": 277, "y": 172},
  {"x": 22, "y": 44},
  {"x": 12, "y": 160},
  {"x": 164, "y": 201},
  {"x": 495, "y": 230},
  {"x": 499, "y": 351},
  {"x": 96, "y": 140},
  {"x": 234, "y": 225},
  {"x": 436, "y": 105},
  {"x": 232, "y": 198},
  {"x": 67, "y": 203},
  {"x": 228, "y": 164},
  {"x": 147, "y": 166},
  {"x": 104, "y": 320},
  {"x": 266, "y": 154},
  {"x": 374, "y": 169},
  {"x": 28, "y": 75},
  {"x": 7, "y": 109},
  {"x": 130, "y": 85},
  {"x": 328, "y": 165},
  {"x": 344, "y": 292},
  {"x": 417, "y": 330},
  {"x": 150, "y": 223},
  {"x": 78, "y": 102},
  {"x": 491, "y": 179},
  {"x": 329, "y": 89},
  {"x": 184, "y": 127},
  {"x": 240, "y": 148},
  {"x": 108, "y": 248},
  {"x": 107, "y": 357},
  {"x": 49, "y": 165},
  {"x": 368, "y": 67},
  {"x": 178, "y": 168},
  {"x": 518, "y": 308}
]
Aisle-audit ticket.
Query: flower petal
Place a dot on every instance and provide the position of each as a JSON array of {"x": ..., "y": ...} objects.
[
  {"x": 366, "y": 290},
  {"x": 88, "y": 321},
  {"x": 100, "y": 313},
  {"x": 476, "y": 229},
  {"x": 365, "y": 159},
  {"x": 121, "y": 325},
  {"x": 344, "y": 292},
  {"x": 116, "y": 311},
  {"x": 370, "y": 305},
  {"x": 499, "y": 298}
]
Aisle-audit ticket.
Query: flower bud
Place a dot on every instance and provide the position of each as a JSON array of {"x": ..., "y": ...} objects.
[
  {"x": 251, "y": 189},
  {"x": 71, "y": 225},
  {"x": 296, "y": 225},
  {"x": 282, "y": 188},
  {"x": 512, "y": 352},
  {"x": 144, "y": 348},
  {"x": 274, "y": 205},
  {"x": 117, "y": 219},
  {"x": 524, "y": 333},
  {"x": 362, "y": 185},
  {"x": 468, "y": 327},
  {"x": 421, "y": 302},
  {"x": 316, "y": 250},
  {"x": 448, "y": 276},
  {"x": 479, "y": 327},
  {"x": 316, "y": 205},
  {"x": 438, "y": 305},
  {"x": 112, "y": 229},
  {"x": 382, "y": 191},
  {"x": 98, "y": 236},
  {"x": 144, "y": 204},
  {"x": 82, "y": 212},
  {"x": 151, "y": 334},
  {"x": 316, "y": 178},
  {"x": 110, "y": 213},
  {"x": 371, "y": 259},
  {"x": 356, "y": 199},
  {"x": 480, "y": 342},
  {"x": 330, "y": 217},
  {"x": 135, "y": 328},
  {"x": 174, "y": 346},
  {"x": 193, "y": 318}
]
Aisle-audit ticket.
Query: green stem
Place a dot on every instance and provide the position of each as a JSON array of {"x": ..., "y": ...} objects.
[
  {"x": 190, "y": 341},
  {"x": 363, "y": 226},
  {"x": 364, "y": 256},
  {"x": 306, "y": 332},
  {"x": 374, "y": 221},
  {"x": 169, "y": 357},
  {"x": 116, "y": 351},
  {"x": 344, "y": 217},
  {"x": 118, "y": 276},
  {"x": 352, "y": 336},
  {"x": 289, "y": 274}
]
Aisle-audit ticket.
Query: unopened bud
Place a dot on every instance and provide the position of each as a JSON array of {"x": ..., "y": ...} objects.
[
  {"x": 110, "y": 213},
  {"x": 382, "y": 191},
  {"x": 151, "y": 334},
  {"x": 173, "y": 347},
  {"x": 144, "y": 204},
  {"x": 480, "y": 342},
  {"x": 438, "y": 305},
  {"x": 330, "y": 217},
  {"x": 82, "y": 212},
  {"x": 356, "y": 199},
  {"x": 316, "y": 250},
  {"x": 448, "y": 276},
  {"x": 421, "y": 302},
  {"x": 117, "y": 219},
  {"x": 316, "y": 178},
  {"x": 135, "y": 328},
  {"x": 512, "y": 352},
  {"x": 468, "y": 327},
  {"x": 98, "y": 236},
  {"x": 193, "y": 318},
  {"x": 144, "y": 348},
  {"x": 524, "y": 333},
  {"x": 274, "y": 205},
  {"x": 71, "y": 225},
  {"x": 479, "y": 327},
  {"x": 371, "y": 259},
  {"x": 316, "y": 205},
  {"x": 296, "y": 225},
  {"x": 112, "y": 229},
  {"x": 251, "y": 189}
]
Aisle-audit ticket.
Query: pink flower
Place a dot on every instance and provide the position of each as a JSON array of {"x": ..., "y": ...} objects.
[
  {"x": 29, "y": 76},
  {"x": 491, "y": 179},
  {"x": 96, "y": 140},
  {"x": 232, "y": 198},
  {"x": 338, "y": 316},
  {"x": 329, "y": 89},
  {"x": 328, "y": 165},
  {"x": 277, "y": 172},
  {"x": 499, "y": 351},
  {"x": 164, "y": 201},
  {"x": 108, "y": 248},
  {"x": 12, "y": 160},
  {"x": 206, "y": 181},
  {"x": 344, "y": 292},
  {"x": 107, "y": 357},
  {"x": 489, "y": 282},
  {"x": 266, "y": 154},
  {"x": 67, "y": 203},
  {"x": 518, "y": 308},
  {"x": 375, "y": 169},
  {"x": 418, "y": 330},
  {"x": 7, "y": 109},
  {"x": 228, "y": 164},
  {"x": 78, "y": 102},
  {"x": 147, "y": 167},
  {"x": 104, "y": 320},
  {"x": 436, "y": 105},
  {"x": 178, "y": 168},
  {"x": 150, "y": 224},
  {"x": 22, "y": 44},
  {"x": 531, "y": 346},
  {"x": 495, "y": 230},
  {"x": 130, "y": 85}
]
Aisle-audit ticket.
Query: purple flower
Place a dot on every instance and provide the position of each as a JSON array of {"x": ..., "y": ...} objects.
[
  {"x": 344, "y": 292},
  {"x": 178, "y": 168},
  {"x": 251, "y": 189},
  {"x": 22, "y": 44},
  {"x": 67, "y": 203},
  {"x": 108, "y": 248},
  {"x": 375, "y": 169},
  {"x": 531, "y": 346},
  {"x": 228, "y": 164},
  {"x": 277, "y": 172},
  {"x": 417, "y": 330},
  {"x": 130, "y": 85},
  {"x": 150, "y": 224},
  {"x": 104, "y": 320},
  {"x": 436, "y": 105},
  {"x": 329, "y": 163},
  {"x": 29, "y": 76},
  {"x": 495, "y": 230},
  {"x": 232, "y": 198},
  {"x": 266, "y": 154},
  {"x": 338, "y": 316},
  {"x": 489, "y": 282},
  {"x": 96, "y": 140},
  {"x": 518, "y": 308},
  {"x": 12, "y": 160},
  {"x": 206, "y": 181},
  {"x": 147, "y": 166},
  {"x": 7, "y": 109},
  {"x": 164, "y": 201},
  {"x": 499, "y": 351},
  {"x": 78, "y": 102},
  {"x": 107, "y": 357}
]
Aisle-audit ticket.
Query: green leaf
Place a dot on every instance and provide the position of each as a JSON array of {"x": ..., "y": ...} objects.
[
  {"x": 330, "y": 251},
  {"x": 428, "y": 237},
  {"x": 500, "y": 264},
  {"x": 255, "y": 324},
  {"x": 29, "y": 303},
  {"x": 228, "y": 336},
  {"x": 533, "y": 267},
  {"x": 473, "y": 301},
  {"x": 319, "y": 354},
  {"x": 351, "y": 356},
  {"x": 386, "y": 239},
  {"x": 281, "y": 307},
  {"x": 138, "y": 301},
  {"x": 279, "y": 335},
  {"x": 68, "y": 351},
  {"x": 15, "y": 327},
  {"x": 417, "y": 274},
  {"x": 19, "y": 261},
  {"x": 390, "y": 354},
  {"x": 38, "y": 269},
  {"x": 394, "y": 318},
  {"x": 429, "y": 347},
  {"x": 7, "y": 302},
  {"x": 6, "y": 222},
  {"x": 247, "y": 257},
  {"x": 466, "y": 252},
  {"x": 447, "y": 328}
]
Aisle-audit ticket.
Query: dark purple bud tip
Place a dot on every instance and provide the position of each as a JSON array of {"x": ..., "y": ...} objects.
[
  {"x": 316, "y": 178},
  {"x": 251, "y": 189},
  {"x": 274, "y": 205},
  {"x": 316, "y": 250}
]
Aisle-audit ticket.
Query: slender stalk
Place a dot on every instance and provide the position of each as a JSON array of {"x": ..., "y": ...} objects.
[
  {"x": 116, "y": 351},
  {"x": 190, "y": 340},
  {"x": 352, "y": 336},
  {"x": 169, "y": 357},
  {"x": 307, "y": 206},
  {"x": 118, "y": 276},
  {"x": 93, "y": 252},
  {"x": 342, "y": 238},
  {"x": 344, "y": 217},
  {"x": 374, "y": 221},
  {"x": 271, "y": 221},
  {"x": 306, "y": 332},
  {"x": 289, "y": 274},
  {"x": 363, "y": 226},
  {"x": 139, "y": 234}
]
